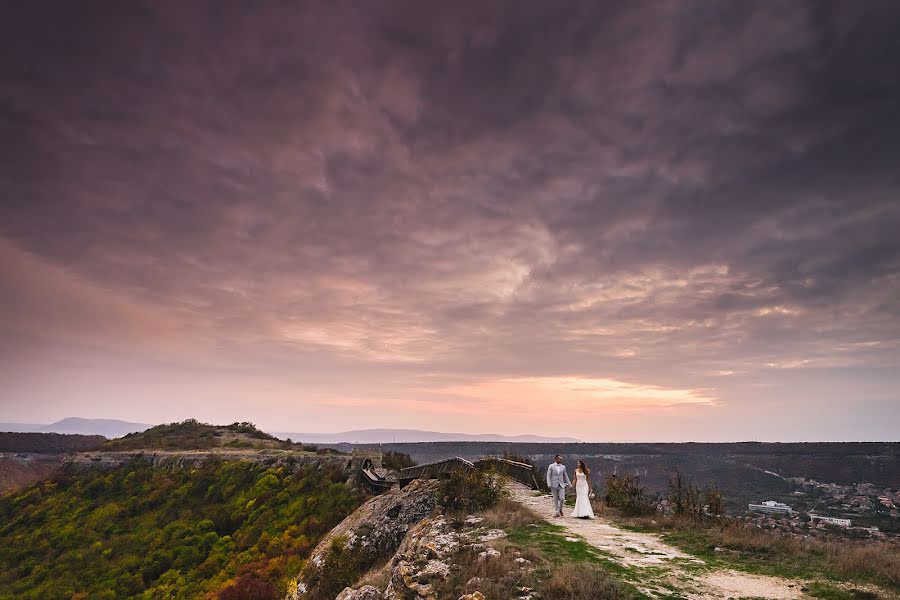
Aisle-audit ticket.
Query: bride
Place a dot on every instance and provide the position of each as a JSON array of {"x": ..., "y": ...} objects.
[{"x": 583, "y": 493}]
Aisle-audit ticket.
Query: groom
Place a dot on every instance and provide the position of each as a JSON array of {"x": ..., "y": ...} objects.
[{"x": 558, "y": 481}]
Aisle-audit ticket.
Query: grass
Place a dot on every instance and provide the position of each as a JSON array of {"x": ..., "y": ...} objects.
[
  {"x": 580, "y": 581},
  {"x": 756, "y": 550},
  {"x": 554, "y": 567},
  {"x": 508, "y": 513},
  {"x": 561, "y": 549}
]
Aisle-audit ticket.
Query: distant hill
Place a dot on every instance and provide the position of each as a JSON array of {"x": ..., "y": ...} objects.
[
  {"x": 193, "y": 435},
  {"x": 108, "y": 428},
  {"x": 389, "y": 436}
]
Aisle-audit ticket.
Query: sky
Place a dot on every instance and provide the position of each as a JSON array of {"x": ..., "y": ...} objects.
[{"x": 657, "y": 221}]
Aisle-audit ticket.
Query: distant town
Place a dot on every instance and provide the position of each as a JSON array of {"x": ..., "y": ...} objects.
[{"x": 862, "y": 509}]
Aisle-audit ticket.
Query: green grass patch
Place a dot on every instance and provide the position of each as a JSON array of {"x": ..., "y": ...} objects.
[
  {"x": 702, "y": 545},
  {"x": 551, "y": 541}
]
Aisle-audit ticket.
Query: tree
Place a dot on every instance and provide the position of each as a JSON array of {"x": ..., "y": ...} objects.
[{"x": 626, "y": 493}]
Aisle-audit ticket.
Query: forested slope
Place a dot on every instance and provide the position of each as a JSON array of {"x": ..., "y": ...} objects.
[{"x": 226, "y": 530}]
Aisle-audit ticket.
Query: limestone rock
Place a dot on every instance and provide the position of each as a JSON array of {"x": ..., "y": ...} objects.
[
  {"x": 487, "y": 554},
  {"x": 422, "y": 560},
  {"x": 366, "y": 592},
  {"x": 376, "y": 528},
  {"x": 491, "y": 534}
]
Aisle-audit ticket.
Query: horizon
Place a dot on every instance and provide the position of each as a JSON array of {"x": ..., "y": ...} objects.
[
  {"x": 600, "y": 221},
  {"x": 275, "y": 431}
]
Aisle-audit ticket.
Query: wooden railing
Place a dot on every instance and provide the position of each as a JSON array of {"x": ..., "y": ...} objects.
[{"x": 519, "y": 471}]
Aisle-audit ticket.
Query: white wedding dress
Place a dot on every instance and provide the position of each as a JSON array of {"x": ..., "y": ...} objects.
[{"x": 582, "y": 496}]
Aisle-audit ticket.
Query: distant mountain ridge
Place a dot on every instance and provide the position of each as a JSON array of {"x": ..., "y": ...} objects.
[
  {"x": 114, "y": 428},
  {"x": 109, "y": 428},
  {"x": 390, "y": 436}
]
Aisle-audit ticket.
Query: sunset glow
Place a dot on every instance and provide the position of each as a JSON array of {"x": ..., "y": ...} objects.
[{"x": 659, "y": 222}]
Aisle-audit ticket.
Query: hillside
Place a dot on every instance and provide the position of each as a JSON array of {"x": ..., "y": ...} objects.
[
  {"x": 193, "y": 435},
  {"x": 17, "y": 471},
  {"x": 29, "y": 457},
  {"x": 229, "y": 530}
]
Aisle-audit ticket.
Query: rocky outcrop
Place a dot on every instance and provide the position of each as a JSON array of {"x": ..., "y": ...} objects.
[
  {"x": 419, "y": 554},
  {"x": 425, "y": 557},
  {"x": 366, "y": 592},
  {"x": 372, "y": 533}
]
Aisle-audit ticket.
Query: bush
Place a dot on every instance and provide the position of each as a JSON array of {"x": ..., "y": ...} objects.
[
  {"x": 471, "y": 490},
  {"x": 685, "y": 498},
  {"x": 340, "y": 568},
  {"x": 250, "y": 429},
  {"x": 626, "y": 493},
  {"x": 250, "y": 586},
  {"x": 714, "y": 502}
]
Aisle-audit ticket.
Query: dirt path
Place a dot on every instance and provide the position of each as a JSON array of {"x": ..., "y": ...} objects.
[{"x": 664, "y": 570}]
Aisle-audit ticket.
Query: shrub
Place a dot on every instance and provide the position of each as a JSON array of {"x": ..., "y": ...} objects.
[
  {"x": 685, "y": 498},
  {"x": 340, "y": 568},
  {"x": 714, "y": 502},
  {"x": 626, "y": 493},
  {"x": 250, "y": 429},
  {"x": 250, "y": 586},
  {"x": 471, "y": 490}
]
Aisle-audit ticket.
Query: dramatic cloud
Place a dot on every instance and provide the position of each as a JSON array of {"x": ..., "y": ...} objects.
[{"x": 664, "y": 217}]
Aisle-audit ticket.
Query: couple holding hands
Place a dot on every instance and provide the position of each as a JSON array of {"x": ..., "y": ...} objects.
[{"x": 558, "y": 481}]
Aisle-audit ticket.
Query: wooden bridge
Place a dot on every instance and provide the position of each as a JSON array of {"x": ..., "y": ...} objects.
[{"x": 376, "y": 480}]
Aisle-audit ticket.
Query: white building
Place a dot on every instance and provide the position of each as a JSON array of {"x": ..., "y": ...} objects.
[
  {"x": 832, "y": 520},
  {"x": 771, "y": 507}
]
